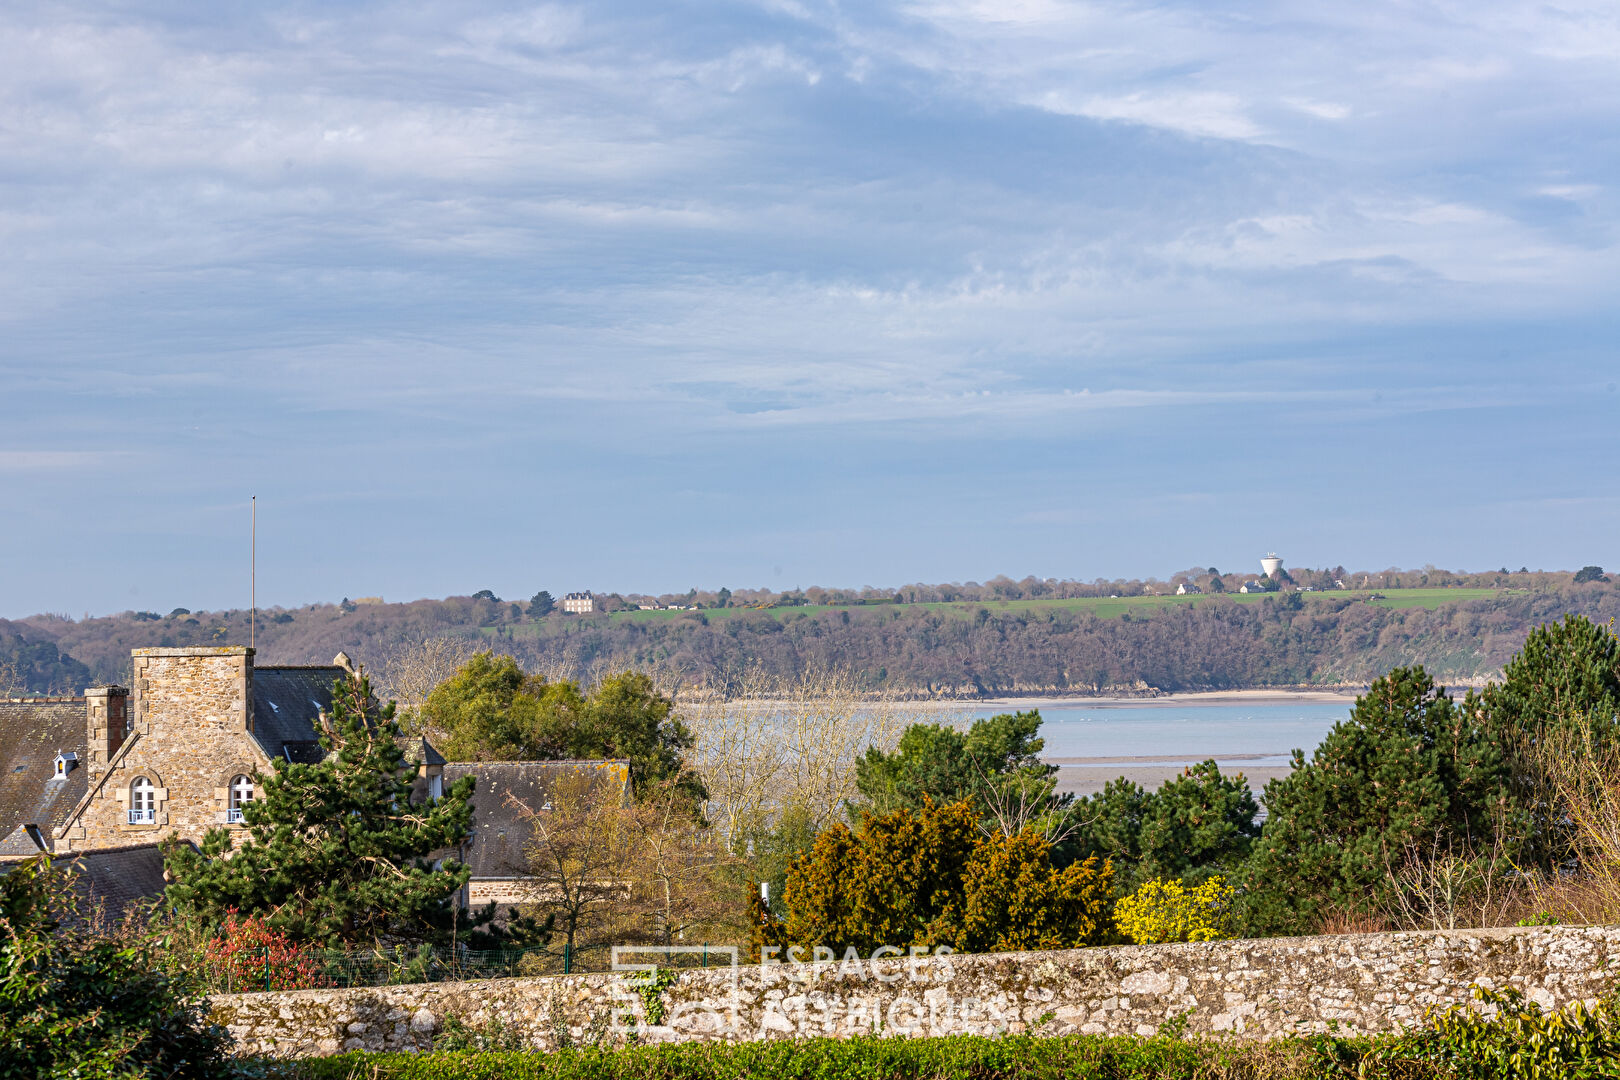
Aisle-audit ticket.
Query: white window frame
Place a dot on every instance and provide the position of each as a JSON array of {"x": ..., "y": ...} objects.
[
  {"x": 142, "y": 801},
  {"x": 241, "y": 793}
]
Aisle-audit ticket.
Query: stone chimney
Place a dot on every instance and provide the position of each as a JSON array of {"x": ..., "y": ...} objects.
[
  {"x": 106, "y": 718},
  {"x": 188, "y": 694}
]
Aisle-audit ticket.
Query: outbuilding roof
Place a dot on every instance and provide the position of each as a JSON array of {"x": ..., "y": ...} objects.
[
  {"x": 117, "y": 878},
  {"x": 499, "y": 829}
]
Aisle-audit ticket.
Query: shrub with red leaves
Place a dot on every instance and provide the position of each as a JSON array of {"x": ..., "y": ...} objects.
[{"x": 249, "y": 955}]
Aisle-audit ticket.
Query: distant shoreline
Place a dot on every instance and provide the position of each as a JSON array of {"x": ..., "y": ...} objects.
[{"x": 1155, "y": 701}]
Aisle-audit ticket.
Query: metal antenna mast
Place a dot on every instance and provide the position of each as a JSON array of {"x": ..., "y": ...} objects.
[{"x": 253, "y": 579}]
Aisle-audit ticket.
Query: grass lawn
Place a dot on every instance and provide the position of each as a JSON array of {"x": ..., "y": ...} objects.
[{"x": 1103, "y": 606}]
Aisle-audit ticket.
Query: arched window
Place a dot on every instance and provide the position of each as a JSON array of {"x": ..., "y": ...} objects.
[
  {"x": 142, "y": 802},
  {"x": 241, "y": 795}
]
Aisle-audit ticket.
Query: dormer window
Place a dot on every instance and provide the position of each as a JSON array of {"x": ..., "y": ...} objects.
[
  {"x": 241, "y": 795},
  {"x": 65, "y": 763}
]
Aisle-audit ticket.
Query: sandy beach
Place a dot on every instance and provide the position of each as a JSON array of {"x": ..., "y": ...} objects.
[
  {"x": 1087, "y": 776},
  {"x": 1164, "y": 701}
]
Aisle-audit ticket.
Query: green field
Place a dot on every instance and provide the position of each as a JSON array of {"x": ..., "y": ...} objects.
[{"x": 1105, "y": 607}]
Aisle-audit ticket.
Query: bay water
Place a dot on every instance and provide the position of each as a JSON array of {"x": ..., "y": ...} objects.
[{"x": 1193, "y": 732}]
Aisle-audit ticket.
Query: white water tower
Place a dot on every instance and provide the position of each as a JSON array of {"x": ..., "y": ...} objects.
[{"x": 1271, "y": 564}]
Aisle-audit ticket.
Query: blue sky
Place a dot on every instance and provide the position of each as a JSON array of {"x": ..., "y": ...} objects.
[{"x": 643, "y": 297}]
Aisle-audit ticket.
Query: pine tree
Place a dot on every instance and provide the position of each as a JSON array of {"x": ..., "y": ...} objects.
[
  {"x": 1564, "y": 683},
  {"x": 1197, "y": 824},
  {"x": 336, "y": 851},
  {"x": 1407, "y": 770},
  {"x": 993, "y": 764},
  {"x": 1565, "y": 671}
]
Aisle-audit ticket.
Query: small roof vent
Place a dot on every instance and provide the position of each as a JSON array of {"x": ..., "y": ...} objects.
[{"x": 66, "y": 762}]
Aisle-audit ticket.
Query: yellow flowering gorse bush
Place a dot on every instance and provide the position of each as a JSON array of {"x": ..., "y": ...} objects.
[{"x": 1163, "y": 910}]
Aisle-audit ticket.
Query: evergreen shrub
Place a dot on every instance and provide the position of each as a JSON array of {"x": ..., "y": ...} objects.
[{"x": 75, "y": 1005}]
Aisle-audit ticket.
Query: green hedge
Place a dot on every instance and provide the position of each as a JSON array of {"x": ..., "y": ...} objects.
[
  {"x": 1517, "y": 1040},
  {"x": 961, "y": 1057}
]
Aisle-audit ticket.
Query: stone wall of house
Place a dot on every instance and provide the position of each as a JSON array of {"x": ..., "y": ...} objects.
[
  {"x": 1258, "y": 989},
  {"x": 188, "y": 733}
]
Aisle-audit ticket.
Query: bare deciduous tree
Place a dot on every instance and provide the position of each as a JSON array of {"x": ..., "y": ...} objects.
[
  {"x": 408, "y": 672},
  {"x": 12, "y": 683},
  {"x": 1452, "y": 886},
  {"x": 764, "y": 744},
  {"x": 609, "y": 870},
  {"x": 1577, "y": 767},
  {"x": 1018, "y": 802},
  {"x": 687, "y": 878},
  {"x": 582, "y": 853}
]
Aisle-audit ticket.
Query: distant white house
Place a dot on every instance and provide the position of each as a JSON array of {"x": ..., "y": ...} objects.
[
  {"x": 1187, "y": 590},
  {"x": 580, "y": 603}
]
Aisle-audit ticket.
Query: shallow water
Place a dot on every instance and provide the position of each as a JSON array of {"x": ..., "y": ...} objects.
[{"x": 1247, "y": 734}]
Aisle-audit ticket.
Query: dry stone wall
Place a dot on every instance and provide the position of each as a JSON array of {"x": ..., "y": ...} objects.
[{"x": 1255, "y": 988}]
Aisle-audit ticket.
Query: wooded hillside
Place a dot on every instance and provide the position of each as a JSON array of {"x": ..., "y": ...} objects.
[{"x": 964, "y": 649}]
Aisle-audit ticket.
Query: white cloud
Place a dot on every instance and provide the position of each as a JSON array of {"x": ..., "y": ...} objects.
[
  {"x": 1569, "y": 191},
  {"x": 1212, "y": 114},
  {"x": 1325, "y": 110},
  {"x": 661, "y": 206},
  {"x": 33, "y": 461}
]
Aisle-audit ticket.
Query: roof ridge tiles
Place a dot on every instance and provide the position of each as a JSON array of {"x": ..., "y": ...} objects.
[{"x": 64, "y": 856}]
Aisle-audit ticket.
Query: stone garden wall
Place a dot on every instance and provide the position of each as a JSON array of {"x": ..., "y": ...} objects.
[{"x": 1258, "y": 989}]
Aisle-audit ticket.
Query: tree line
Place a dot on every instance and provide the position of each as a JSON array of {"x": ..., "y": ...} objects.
[
  {"x": 887, "y": 636},
  {"x": 1215, "y": 644}
]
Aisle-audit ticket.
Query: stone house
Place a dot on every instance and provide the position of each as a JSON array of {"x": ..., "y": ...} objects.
[
  {"x": 580, "y": 603},
  {"x": 182, "y": 749}
]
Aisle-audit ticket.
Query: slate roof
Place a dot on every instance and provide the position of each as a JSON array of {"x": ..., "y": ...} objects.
[
  {"x": 32, "y": 732},
  {"x": 417, "y": 748},
  {"x": 119, "y": 877},
  {"x": 499, "y": 831},
  {"x": 24, "y": 841},
  {"x": 287, "y": 704}
]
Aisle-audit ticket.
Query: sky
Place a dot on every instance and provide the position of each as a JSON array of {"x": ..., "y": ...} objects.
[{"x": 644, "y": 297}]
